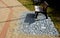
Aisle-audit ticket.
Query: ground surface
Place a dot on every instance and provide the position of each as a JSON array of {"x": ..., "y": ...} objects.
[
  {"x": 55, "y": 15},
  {"x": 10, "y": 11},
  {"x": 28, "y": 25}
]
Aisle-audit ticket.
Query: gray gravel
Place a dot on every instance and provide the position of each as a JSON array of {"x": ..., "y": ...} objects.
[{"x": 28, "y": 25}]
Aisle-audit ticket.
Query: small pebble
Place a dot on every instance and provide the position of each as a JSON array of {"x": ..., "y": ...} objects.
[{"x": 40, "y": 27}]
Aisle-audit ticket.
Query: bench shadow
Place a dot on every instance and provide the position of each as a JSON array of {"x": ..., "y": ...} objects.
[{"x": 30, "y": 18}]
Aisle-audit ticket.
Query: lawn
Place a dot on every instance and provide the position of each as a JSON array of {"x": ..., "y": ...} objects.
[
  {"x": 28, "y": 4},
  {"x": 54, "y": 16}
]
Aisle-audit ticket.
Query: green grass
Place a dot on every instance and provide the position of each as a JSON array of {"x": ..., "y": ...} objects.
[
  {"x": 56, "y": 19},
  {"x": 28, "y": 5}
]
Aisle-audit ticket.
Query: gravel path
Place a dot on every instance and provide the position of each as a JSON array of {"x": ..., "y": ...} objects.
[{"x": 28, "y": 25}]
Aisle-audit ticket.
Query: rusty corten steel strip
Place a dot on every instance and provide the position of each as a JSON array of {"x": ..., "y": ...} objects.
[{"x": 6, "y": 25}]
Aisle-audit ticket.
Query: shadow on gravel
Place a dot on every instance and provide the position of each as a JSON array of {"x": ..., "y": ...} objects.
[{"x": 29, "y": 18}]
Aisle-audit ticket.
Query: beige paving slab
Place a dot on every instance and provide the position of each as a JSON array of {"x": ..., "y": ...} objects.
[
  {"x": 11, "y": 2},
  {"x": 1, "y": 5},
  {"x": 16, "y": 14},
  {"x": 4, "y": 14},
  {"x": 17, "y": 10}
]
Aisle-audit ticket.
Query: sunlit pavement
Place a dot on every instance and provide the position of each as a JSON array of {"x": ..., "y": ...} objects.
[{"x": 9, "y": 10}]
